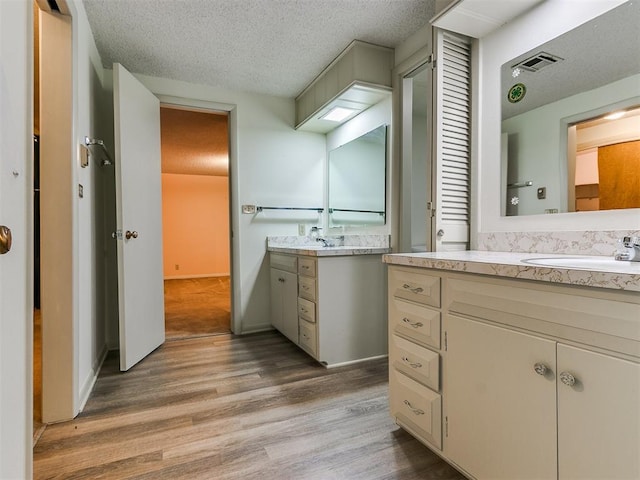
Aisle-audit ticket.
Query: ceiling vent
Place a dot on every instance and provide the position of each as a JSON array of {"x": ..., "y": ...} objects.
[{"x": 537, "y": 62}]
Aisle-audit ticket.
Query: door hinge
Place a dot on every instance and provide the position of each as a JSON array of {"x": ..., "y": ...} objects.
[
  {"x": 446, "y": 342},
  {"x": 431, "y": 209},
  {"x": 432, "y": 61},
  {"x": 117, "y": 235},
  {"x": 446, "y": 427}
]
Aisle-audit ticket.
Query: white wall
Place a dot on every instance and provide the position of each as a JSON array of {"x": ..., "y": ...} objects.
[{"x": 513, "y": 39}]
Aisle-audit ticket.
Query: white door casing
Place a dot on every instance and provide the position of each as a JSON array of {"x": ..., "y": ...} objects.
[
  {"x": 16, "y": 304},
  {"x": 139, "y": 217}
]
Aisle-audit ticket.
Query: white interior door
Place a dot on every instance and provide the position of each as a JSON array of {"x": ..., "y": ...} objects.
[
  {"x": 452, "y": 142},
  {"x": 16, "y": 304},
  {"x": 139, "y": 218}
]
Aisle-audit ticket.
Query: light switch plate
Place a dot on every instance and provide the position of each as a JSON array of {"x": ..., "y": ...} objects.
[{"x": 248, "y": 209}]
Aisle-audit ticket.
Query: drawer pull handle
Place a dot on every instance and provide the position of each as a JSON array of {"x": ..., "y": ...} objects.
[
  {"x": 410, "y": 363},
  {"x": 417, "y": 411},
  {"x": 414, "y": 325},
  {"x": 568, "y": 379},
  {"x": 304, "y": 287},
  {"x": 406, "y": 286},
  {"x": 303, "y": 310},
  {"x": 540, "y": 369}
]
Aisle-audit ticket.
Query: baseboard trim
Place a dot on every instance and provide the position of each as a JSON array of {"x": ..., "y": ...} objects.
[
  {"x": 87, "y": 388},
  {"x": 203, "y": 275}
]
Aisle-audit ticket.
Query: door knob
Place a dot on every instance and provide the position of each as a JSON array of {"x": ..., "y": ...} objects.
[
  {"x": 5, "y": 239},
  {"x": 440, "y": 233},
  {"x": 129, "y": 234}
]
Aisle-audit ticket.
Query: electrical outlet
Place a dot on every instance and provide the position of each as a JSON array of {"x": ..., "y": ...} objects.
[
  {"x": 248, "y": 209},
  {"x": 177, "y": 267},
  {"x": 301, "y": 229}
]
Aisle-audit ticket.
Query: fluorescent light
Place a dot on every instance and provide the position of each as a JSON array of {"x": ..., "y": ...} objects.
[
  {"x": 337, "y": 114},
  {"x": 615, "y": 115}
]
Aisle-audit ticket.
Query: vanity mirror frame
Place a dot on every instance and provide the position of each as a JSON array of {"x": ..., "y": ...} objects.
[{"x": 560, "y": 197}]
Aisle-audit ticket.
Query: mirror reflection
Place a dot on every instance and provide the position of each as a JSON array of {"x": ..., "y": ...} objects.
[
  {"x": 357, "y": 180},
  {"x": 561, "y": 151}
]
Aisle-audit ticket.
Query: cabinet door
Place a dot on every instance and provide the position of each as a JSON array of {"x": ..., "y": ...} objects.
[
  {"x": 598, "y": 416},
  {"x": 284, "y": 303},
  {"x": 500, "y": 414}
]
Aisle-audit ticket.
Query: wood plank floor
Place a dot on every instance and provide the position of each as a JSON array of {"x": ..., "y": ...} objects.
[{"x": 231, "y": 407}]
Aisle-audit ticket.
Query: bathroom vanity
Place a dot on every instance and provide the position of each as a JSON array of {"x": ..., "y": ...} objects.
[
  {"x": 518, "y": 365},
  {"x": 330, "y": 301}
]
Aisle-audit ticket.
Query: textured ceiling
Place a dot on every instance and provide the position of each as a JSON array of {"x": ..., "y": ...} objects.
[{"x": 274, "y": 47}]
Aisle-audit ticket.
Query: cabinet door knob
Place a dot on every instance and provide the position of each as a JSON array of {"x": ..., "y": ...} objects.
[
  {"x": 567, "y": 379},
  {"x": 540, "y": 368}
]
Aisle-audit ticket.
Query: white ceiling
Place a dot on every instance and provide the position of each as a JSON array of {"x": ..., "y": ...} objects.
[{"x": 274, "y": 47}]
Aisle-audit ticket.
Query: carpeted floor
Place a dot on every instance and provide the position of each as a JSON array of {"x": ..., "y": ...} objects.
[{"x": 197, "y": 307}]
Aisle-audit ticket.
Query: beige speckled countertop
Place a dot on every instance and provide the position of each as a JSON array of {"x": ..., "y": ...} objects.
[
  {"x": 603, "y": 273},
  {"x": 320, "y": 251}
]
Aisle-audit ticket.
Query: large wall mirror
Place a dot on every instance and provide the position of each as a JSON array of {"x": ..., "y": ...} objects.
[
  {"x": 357, "y": 179},
  {"x": 571, "y": 120}
]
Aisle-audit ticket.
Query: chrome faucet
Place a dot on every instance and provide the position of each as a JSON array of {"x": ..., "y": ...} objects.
[
  {"x": 628, "y": 249},
  {"x": 324, "y": 241}
]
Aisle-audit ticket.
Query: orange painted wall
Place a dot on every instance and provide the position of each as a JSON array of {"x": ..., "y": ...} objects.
[{"x": 195, "y": 224}]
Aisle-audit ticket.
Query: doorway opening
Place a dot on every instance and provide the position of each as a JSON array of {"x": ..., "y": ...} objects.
[{"x": 196, "y": 222}]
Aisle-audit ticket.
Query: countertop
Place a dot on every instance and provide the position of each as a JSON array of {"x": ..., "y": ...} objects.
[
  {"x": 617, "y": 275},
  {"x": 320, "y": 251}
]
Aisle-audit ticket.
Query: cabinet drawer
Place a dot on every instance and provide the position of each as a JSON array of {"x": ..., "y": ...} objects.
[
  {"x": 307, "y": 338},
  {"x": 307, "y": 310},
  {"x": 411, "y": 284},
  {"x": 417, "y": 362},
  {"x": 416, "y": 322},
  {"x": 416, "y": 407},
  {"x": 288, "y": 263},
  {"x": 307, "y": 266},
  {"x": 307, "y": 288}
]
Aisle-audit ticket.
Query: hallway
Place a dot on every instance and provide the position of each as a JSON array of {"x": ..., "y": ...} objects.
[
  {"x": 230, "y": 407},
  {"x": 197, "y": 307}
]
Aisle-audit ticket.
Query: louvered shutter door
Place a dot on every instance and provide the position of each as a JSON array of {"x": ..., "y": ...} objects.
[{"x": 452, "y": 142}]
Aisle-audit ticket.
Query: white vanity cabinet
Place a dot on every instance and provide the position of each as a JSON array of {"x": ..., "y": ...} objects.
[
  {"x": 339, "y": 304},
  {"x": 414, "y": 353},
  {"x": 538, "y": 380},
  {"x": 284, "y": 294}
]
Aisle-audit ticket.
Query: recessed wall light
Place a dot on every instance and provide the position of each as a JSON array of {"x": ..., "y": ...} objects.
[{"x": 337, "y": 114}]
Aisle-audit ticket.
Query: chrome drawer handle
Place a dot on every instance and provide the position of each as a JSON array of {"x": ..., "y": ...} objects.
[
  {"x": 568, "y": 379},
  {"x": 414, "y": 325},
  {"x": 417, "y": 411},
  {"x": 410, "y": 363},
  {"x": 406, "y": 286}
]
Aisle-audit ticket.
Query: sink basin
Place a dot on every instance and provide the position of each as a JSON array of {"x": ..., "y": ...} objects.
[{"x": 584, "y": 263}]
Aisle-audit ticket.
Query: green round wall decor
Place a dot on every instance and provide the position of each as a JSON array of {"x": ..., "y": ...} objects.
[{"x": 517, "y": 92}]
